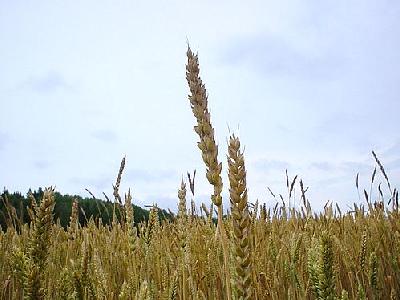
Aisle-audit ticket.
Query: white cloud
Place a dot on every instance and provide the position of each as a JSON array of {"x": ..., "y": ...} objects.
[
  {"x": 105, "y": 135},
  {"x": 47, "y": 83}
]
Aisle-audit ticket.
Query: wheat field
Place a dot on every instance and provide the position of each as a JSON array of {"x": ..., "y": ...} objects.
[{"x": 252, "y": 252}]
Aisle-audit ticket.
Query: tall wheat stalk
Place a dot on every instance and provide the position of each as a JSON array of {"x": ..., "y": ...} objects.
[{"x": 199, "y": 104}]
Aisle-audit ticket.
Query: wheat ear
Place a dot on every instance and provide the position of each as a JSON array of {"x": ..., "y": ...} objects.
[
  {"x": 74, "y": 219},
  {"x": 39, "y": 244},
  {"x": 199, "y": 102},
  {"x": 182, "y": 213}
]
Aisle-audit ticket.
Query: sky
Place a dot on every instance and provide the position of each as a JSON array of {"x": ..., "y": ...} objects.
[{"x": 308, "y": 86}]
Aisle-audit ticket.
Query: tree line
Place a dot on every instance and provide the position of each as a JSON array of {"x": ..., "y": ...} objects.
[{"x": 14, "y": 209}]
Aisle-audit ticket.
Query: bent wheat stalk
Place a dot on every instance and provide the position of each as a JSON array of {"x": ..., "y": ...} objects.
[{"x": 209, "y": 149}]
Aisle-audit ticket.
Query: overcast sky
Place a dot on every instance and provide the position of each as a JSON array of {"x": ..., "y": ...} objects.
[{"x": 309, "y": 86}]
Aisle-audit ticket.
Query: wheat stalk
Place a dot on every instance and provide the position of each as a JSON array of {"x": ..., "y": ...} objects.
[
  {"x": 199, "y": 104},
  {"x": 240, "y": 218}
]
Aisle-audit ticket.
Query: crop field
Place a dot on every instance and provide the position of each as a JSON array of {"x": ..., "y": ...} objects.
[{"x": 251, "y": 252}]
